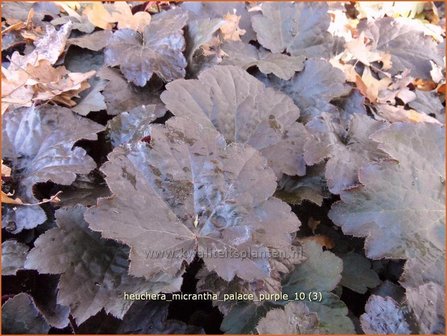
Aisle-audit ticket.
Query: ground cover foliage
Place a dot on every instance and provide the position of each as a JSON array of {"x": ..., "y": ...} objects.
[{"x": 253, "y": 148}]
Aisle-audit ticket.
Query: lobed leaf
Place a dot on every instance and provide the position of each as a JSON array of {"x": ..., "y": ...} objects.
[
  {"x": 346, "y": 148},
  {"x": 93, "y": 270},
  {"x": 296, "y": 27},
  {"x": 320, "y": 272},
  {"x": 120, "y": 96},
  {"x": 204, "y": 196},
  {"x": 244, "y": 111},
  {"x": 357, "y": 274},
  {"x": 39, "y": 141},
  {"x": 30, "y": 321},
  {"x": 157, "y": 51},
  {"x": 410, "y": 48},
  {"x": 294, "y": 319},
  {"x": 13, "y": 256},
  {"x": 246, "y": 55},
  {"x": 332, "y": 314},
  {"x": 132, "y": 126},
  {"x": 313, "y": 88},
  {"x": 399, "y": 224},
  {"x": 383, "y": 316},
  {"x": 49, "y": 47}
]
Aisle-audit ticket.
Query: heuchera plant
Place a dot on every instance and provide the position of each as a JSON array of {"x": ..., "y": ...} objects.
[{"x": 292, "y": 153}]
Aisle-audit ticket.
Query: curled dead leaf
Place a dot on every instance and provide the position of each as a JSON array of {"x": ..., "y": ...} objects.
[
  {"x": 42, "y": 82},
  {"x": 322, "y": 240},
  {"x": 105, "y": 15},
  {"x": 230, "y": 29},
  {"x": 6, "y": 198}
]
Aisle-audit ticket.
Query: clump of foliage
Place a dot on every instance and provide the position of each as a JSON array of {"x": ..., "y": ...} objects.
[{"x": 289, "y": 151}]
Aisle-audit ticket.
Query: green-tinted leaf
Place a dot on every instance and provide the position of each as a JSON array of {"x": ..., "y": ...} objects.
[
  {"x": 320, "y": 272},
  {"x": 357, "y": 274},
  {"x": 294, "y": 319}
]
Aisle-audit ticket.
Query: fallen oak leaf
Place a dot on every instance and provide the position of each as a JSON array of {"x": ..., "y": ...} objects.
[
  {"x": 369, "y": 86},
  {"x": 361, "y": 51},
  {"x": 43, "y": 72},
  {"x": 424, "y": 85},
  {"x": 372, "y": 10},
  {"x": 105, "y": 15},
  {"x": 15, "y": 27},
  {"x": 400, "y": 114},
  {"x": 78, "y": 22},
  {"x": 65, "y": 89},
  {"x": 42, "y": 82},
  {"x": 348, "y": 69},
  {"x": 99, "y": 15},
  {"x": 15, "y": 92},
  {"x": 212, "y": 48},
  {"x": 49, "y": 47},
  {"x": 122, "y": 14},
  {"x": 19, "y": 11},
  {"x": 400, "y": 87},
  {"x": 230, "y": 29},
  {"x": 70, "y": 7}
]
